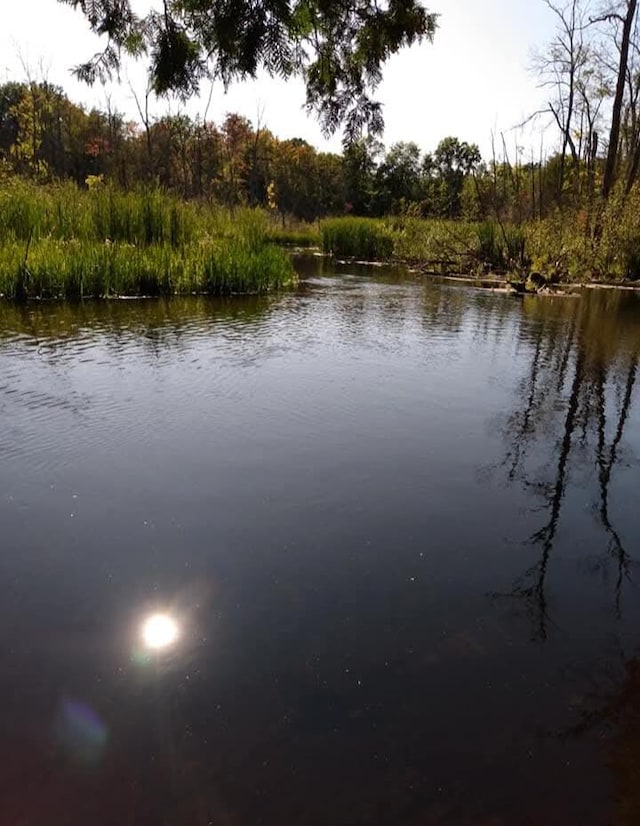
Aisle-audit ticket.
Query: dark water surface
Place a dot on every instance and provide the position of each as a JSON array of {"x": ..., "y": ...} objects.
[{"x": 398, "y": 526}]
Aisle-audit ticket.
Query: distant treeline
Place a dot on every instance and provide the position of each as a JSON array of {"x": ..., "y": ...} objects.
[{"x": 45, "y": 136}]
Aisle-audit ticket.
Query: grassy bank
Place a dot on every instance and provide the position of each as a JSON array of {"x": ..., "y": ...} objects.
[
  {"x": 444, "y": 246},
  {"x": 298, "y": 236},
  {"x": 63, "y": 242},
  {"x": 599, "y": 244},
  {"x": 367, "y": 239}
]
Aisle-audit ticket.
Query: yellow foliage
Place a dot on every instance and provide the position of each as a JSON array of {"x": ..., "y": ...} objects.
[{"x": 94, "y": 182}]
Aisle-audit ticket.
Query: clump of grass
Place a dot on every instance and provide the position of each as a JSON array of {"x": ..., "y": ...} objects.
[
  {"x": 62, "y": 242},
  {"x": 144, "y": 217},
  {"x": 74, "y": 269},
  {"x": 22, "y": 213},
  {"x": 234, "y": 268},
  {"x": 366, "y": 239},
  {"x": 310, "y": 237},
  {"x": 62, "y": 211},
  {"x": 491, "y": 244},
  {"x": 515, "y": 243},
  {"x": 502, "y": 246}
]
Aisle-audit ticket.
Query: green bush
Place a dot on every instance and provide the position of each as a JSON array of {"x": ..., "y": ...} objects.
[{"x": 433, "y": 239}]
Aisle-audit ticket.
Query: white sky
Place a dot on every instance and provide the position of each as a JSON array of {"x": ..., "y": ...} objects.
[{"x": 473, "y": 79}]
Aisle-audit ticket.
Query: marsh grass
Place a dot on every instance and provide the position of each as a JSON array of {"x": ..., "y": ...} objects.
[
  {"x": 366, "y": 239},
  {"x": 491, "y": 244},
  {"x": 301, "y": 237},
  {"x": 452, "y": 245},
  {"x": 440, "y": 245},
  {"x": 61, "y": 242},
  {"x": 74, "y": 269}
]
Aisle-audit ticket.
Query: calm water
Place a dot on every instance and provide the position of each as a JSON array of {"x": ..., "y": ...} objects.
[{"x": 397, "y": 523}]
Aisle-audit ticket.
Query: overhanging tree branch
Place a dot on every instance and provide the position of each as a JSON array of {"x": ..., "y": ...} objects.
[{"x": 338, "y": 48}]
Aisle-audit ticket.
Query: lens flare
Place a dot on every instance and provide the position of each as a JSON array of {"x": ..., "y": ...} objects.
[
  {"x": 159, "y": 631},
  {"x": 81, "y": 732}
]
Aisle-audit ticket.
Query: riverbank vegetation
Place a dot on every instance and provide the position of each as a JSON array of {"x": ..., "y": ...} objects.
[
  {"x": 172, "y": 192},
  {"x": 60, "y": 241},
  {"x": 560, "y": 247}
]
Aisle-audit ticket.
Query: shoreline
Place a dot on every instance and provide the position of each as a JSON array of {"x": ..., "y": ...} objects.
[{"x": 503, "y": 282}]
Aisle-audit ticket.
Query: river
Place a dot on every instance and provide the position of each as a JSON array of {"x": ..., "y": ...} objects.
[{"x": 395, "y": 523}]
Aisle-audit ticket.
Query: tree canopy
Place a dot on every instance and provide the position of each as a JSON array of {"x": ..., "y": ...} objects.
[
  {"x": 47, "y": 137},
  {"x": 337, "y": 46}
]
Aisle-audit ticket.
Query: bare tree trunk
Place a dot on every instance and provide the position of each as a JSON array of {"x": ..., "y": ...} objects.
[
  {"x": 616, "y": 115},
  {"x": 634, "y": 167},
  {"x": 533, "y": 188},
  {"x": 146, "y": 120}
]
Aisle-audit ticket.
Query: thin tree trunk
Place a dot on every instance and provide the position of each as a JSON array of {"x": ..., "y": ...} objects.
[{"x": 616, "y": 115}]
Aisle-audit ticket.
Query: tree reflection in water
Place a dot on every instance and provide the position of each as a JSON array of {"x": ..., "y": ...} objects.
[{"x": 577, "y": 396}]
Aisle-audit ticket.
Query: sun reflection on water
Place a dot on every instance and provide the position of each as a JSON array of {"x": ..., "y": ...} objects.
[{"x": 159, "y": 631}]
